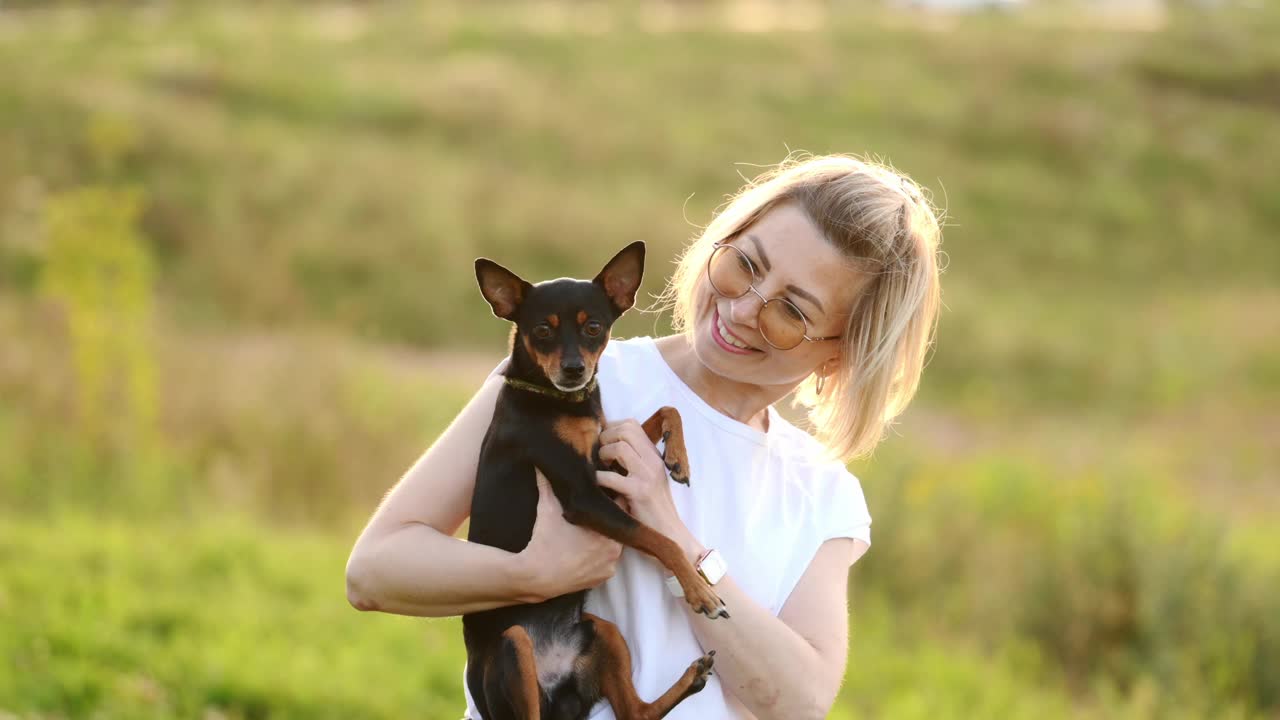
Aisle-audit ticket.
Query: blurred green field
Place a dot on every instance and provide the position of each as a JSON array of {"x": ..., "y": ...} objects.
[{"x": 202, "y": 400}]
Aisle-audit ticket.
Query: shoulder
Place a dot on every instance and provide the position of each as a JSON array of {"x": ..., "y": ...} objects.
[
  {"x": 835, "y": 494},
  {"x": 631, "y": 377},
  {"x": 634, "y": 349}
]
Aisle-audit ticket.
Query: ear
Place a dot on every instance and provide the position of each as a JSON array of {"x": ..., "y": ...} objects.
[
  {"x": 620, "y": 278},
  {"x": 502, "y": 288}
]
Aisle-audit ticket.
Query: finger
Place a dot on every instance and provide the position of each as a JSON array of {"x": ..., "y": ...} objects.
[
  {"x": 609, "y": 433},
  {"x": 633, "y": 436},
  {"x": 620, "y": 484},
  {"x": 547, "y": 500},
  {"x": 609, "y": 451},
  {"x": 625, "y": 455},
  {"x": 614, "y": 429}
]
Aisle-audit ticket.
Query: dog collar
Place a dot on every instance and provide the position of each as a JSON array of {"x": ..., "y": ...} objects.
[{"x": 576, "y": 396}]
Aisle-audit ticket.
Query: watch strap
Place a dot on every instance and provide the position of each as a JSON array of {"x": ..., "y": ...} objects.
[{"x": 673, "y": 586}]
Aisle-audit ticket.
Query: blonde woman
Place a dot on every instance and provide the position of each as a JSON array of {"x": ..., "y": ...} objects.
[{"x": 820, "y": 277}]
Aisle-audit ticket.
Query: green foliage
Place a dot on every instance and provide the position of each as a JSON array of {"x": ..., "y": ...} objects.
[
  {"x": 1109, "y": 582},
  {"x": 99, "y": 272},
  {"x": 219, "y": 619}
]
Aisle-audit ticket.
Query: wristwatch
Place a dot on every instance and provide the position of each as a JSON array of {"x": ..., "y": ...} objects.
[{"x": 711, "y": 566}]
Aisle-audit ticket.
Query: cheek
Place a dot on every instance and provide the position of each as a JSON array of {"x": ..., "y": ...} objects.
[
  {"x": 591, "y": 356},
  {"x": 549, "y": 362}
]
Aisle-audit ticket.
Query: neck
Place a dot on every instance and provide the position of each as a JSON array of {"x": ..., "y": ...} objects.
[
  {"x": 573, "y": 396},
  {"x": 744, "y": 402},
  {"x": 524, "y": 374}
]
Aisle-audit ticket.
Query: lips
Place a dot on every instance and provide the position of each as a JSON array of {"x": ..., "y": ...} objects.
[{"x": 717, "y": 325}]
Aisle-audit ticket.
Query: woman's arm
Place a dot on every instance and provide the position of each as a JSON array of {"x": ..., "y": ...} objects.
[
  {"x": 406, "y": 561},
  {"x": 789, "y": 666}
]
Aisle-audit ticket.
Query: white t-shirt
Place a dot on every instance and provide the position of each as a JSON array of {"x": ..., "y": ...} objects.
[{"x": 766, "y": 501}]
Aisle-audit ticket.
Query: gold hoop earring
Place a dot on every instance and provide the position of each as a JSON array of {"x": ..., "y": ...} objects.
[{"x": 822, "y": 380}]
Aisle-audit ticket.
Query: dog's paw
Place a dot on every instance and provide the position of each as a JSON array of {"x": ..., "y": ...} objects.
[
  {"x": 701, "y": 669},
  {"x": 678, "y": 472},
  {"x": 704, "y": 601},
  {"x": 676, "y": 459},
  {"x": 697, "y": 673}
]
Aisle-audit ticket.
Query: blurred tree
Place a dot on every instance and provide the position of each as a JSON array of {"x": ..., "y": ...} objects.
[{"x": 98, "y": 270}]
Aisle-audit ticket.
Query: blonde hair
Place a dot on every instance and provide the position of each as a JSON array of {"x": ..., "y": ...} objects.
[{"x": 883, "y": 224}]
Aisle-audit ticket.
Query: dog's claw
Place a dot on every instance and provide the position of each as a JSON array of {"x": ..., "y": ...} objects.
[
  {"x": 678, "y": 474},
  {"x": 701, "y": 669},
  {"x": 714, "y": 609}
]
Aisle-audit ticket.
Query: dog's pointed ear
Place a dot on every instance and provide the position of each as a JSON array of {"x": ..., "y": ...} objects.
[
  {"x": 621, "y": 276},
  {"x": 502, "y": 288}
]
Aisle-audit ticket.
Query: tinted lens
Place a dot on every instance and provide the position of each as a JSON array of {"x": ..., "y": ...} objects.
[
  {"x": 729, "y": 272},
  {"x": 781, "y": 324}
]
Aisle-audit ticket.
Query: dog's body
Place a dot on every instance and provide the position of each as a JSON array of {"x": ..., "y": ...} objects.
[{"x": 551, "y": 660}]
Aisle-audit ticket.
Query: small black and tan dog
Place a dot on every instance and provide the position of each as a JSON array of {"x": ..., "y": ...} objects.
[{"x": 551, "y": 660}]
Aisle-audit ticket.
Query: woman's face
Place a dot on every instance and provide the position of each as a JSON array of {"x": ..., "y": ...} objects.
[{"x": 792, "y": 260}]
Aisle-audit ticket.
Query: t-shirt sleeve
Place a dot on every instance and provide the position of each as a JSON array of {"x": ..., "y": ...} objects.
[
  {"x": 838, "y": 510},
  {"x": 499, "y": 369},
  {"x": 846, "y": 510}
]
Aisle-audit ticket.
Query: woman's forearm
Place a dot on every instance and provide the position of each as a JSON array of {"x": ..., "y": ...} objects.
[
  {"x": 773, "y": 671},
  {"x": 764, "y": 663},
  {"x": 415, "y": 569}
]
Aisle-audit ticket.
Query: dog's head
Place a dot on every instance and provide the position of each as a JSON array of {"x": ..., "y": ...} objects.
[{"x": 563, "y": 325}]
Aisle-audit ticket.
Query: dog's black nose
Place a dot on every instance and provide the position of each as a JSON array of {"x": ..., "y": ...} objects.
[{"x": 573, "y": 369}]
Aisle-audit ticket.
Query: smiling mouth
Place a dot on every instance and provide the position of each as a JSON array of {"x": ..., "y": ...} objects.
[{"x": 723, "y": 334}]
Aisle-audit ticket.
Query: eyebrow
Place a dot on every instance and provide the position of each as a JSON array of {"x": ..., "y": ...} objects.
[
  {"x": 807, "y": 296},
  {"x": 764, "y": 259}
]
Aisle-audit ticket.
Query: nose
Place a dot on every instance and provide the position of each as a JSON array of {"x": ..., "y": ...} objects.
[
  {"x": 744, "y": 310},
  {"x": 573, "y": 369}
]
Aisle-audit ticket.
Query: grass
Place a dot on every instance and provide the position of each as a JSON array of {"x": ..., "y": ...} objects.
[
  {"x": 1077, "y": 602},
  {"x": 219, "y": 620}
]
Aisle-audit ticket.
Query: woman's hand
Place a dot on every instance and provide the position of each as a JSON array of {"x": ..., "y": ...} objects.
[
  {"x": 563, "y": 558},
  {"x": 645, "y": 489}
]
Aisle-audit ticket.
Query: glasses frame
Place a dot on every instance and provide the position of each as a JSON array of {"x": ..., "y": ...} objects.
[{"x": 751, "y": 287}]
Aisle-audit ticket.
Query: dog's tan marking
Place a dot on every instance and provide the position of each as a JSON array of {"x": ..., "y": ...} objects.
[
  {"x": 665, "y": 425},
  {"x": 591, "y": 358},
  {"x": 612, "y": 660},
  {"x": 526, "y": 697},
  {"x": 582, "y": 318},
  {"x": 553, "y": 321},
  {"x": 700, "y": 596},
  {"x": 579, "y": 433},
  {"x": 550, "y": 363}
]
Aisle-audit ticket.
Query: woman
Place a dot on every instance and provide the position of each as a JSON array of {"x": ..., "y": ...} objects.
[{"x": 818, "y": 277}]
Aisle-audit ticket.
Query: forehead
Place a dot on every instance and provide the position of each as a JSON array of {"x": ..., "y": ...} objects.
[
  {"x": 565, "y": 295},
  {"x": 800, "y": 255}
]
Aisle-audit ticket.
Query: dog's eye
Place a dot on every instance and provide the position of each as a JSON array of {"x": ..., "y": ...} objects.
[
  {"x": 592, "y": 328},
  {"x": 542, "y": 331}
]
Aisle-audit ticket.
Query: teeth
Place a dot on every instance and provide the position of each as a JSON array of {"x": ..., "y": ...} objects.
[{"x": 724, "y": 334}]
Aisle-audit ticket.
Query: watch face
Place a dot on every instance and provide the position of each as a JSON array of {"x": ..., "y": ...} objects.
[{"x": 713, "y": 567}]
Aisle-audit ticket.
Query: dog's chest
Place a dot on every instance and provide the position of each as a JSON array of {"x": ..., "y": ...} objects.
[
  {"x": 557, "y": 653},
  {"x": 580, "y": 433}
]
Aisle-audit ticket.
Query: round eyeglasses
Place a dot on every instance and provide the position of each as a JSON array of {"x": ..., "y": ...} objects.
[{"x": 781, "y": 324}]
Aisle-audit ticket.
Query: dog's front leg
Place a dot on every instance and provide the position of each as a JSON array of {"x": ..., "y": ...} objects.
[
  {"x": 585, "y": 504},
  {"x": 665, "y": 425},
  {"x": 512, "y": 679}
]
